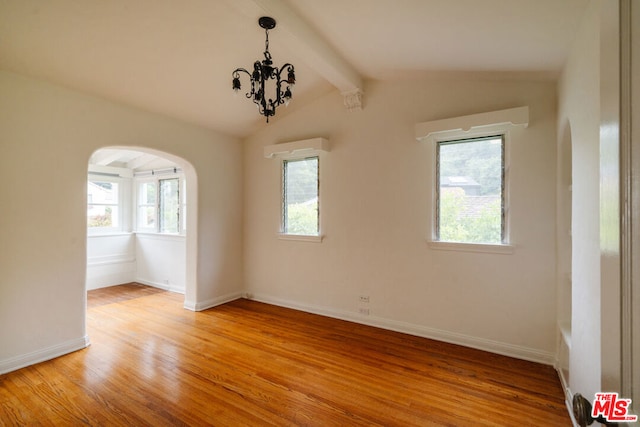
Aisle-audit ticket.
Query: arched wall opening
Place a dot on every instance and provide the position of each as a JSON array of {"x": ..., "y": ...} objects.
[{"x": 119, "y": 262}]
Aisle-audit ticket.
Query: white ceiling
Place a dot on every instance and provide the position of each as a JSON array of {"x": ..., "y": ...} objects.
[
  {"x": 176, "y": 57},
  {"x": 130, "y": 159}
]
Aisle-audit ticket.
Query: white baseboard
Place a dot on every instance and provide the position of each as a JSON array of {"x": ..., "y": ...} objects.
[
  {"x": 505, "y": 349},
  {"x": 203, "y": 305},
  {"x": 158, "y": 285},
  {"x": 42, "y": 355},
  {"x": 569, "y": 402},
  {"x": 568, "y": 395}
]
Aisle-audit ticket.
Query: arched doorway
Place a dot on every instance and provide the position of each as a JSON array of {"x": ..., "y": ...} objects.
[{"x": 141, "y": 220}]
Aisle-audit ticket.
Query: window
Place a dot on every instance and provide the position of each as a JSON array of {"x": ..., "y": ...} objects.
[
  {"x": 471, "y": 178},
  {"x": 300, "y": 187},
  {"x": 169, "y": 205},
  {"x": 147, "y": 206},
  {"x": 470, "y": 190},
  {"x": 161, "y": 205},
  {"x": 103, "y": 204},
  {"x": 300, "y": 192}
]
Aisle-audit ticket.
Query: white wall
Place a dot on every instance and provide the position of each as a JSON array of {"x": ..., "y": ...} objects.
[
  {"x": 152, "y": 259},
  {"x": 375, "y": 206},
  {"x": 43, "y": 251},
  {"x": 161, "y": 261},
  {"x": 111, "y": 260},
  {"x": 579, "y": 108},
  {"x": 588, "y": 105}
]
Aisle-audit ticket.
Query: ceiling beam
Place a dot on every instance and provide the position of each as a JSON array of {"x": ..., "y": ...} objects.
[
  {"x": 141, "y": 160},
  {"x": 105, "y": 157},
  {"x": 310, "y": 46}
]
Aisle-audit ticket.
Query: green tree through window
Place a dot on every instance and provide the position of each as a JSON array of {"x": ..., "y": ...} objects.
[
  {"x": 103, "y": 204},
  {"x": 470, "y": 191},
  {"x": 169, "y": 205},
  {"x": 300, "y": 215}
]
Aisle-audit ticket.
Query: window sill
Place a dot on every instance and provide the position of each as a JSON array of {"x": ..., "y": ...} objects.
[
  {"x": 160, "y": 236},
  {"x": 155, "y": 233},
  {"x": 300, "y": 238},
  {"x": 505, "y": 249},
  {"x": 109, "y": 233}
]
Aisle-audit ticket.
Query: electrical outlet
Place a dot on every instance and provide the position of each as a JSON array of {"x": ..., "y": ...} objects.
[
  {"x": 364, "y": 311},
  {"x": 364, "y": 298}
]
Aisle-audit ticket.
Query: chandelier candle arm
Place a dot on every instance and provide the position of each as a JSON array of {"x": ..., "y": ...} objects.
[{"x": 263, "y": 71}]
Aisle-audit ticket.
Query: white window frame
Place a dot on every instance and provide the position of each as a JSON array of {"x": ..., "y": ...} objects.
[
  {"x": 138, "y": 181},
  {"x": 138, "y": 184},
  {"x": 471, "y": 127},
  {"x": 283, "y": 233},
  {"x": 495, "y": 247},
  {"x": 299, "y": 150},
  {"x": 123, "y": 179},
  {"x": 183, "y": 205}
]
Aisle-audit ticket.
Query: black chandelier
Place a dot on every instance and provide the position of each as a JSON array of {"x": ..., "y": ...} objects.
[{"x": 264, "y": 71}]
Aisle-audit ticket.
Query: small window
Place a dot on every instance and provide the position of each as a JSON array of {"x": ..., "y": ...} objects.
[
  {"x": 147, "y": 206},
  {"x": 161, "y": 205},
  {"x": 103, "y": 205},
  {"x": 169, "y": 205},
  {"x": 470, "y": 191},
  {"x": 300, "y": 197}
]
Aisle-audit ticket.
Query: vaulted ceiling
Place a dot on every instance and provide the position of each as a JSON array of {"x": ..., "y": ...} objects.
[{"x": 176, "y": 57}]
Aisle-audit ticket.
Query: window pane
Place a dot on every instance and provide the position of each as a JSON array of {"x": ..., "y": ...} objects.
[
  {"x": 471, "y": 191},
  {"x": 148, "y": 193},
  {"x": 147, "y": 205},
  {"x": 300, "y": 199},
  {"x": 102, "y": 204},
  {"x": 169, "y": 202},
  {"x": 147, "y": 217},
  {"x": 102, "y": 216},
  {"x": 102, "y": 192},
  {"x": 183, "y": 213}
]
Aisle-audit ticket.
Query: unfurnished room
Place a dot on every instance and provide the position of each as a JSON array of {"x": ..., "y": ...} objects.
[{"x": 323, "y": 213}]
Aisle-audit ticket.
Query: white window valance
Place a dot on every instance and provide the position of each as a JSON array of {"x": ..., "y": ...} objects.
[
  {"x": 306, "y": 147},
  {"x": 472, "y": 125}
]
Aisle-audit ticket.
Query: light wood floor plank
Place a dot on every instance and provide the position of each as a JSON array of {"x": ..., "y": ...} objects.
[{"x": 152, "y": 362}]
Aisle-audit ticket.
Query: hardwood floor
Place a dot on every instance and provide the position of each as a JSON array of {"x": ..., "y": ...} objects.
[
  {"x": 152, "y": 362},
  {"x": 102, "y": 296}
]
